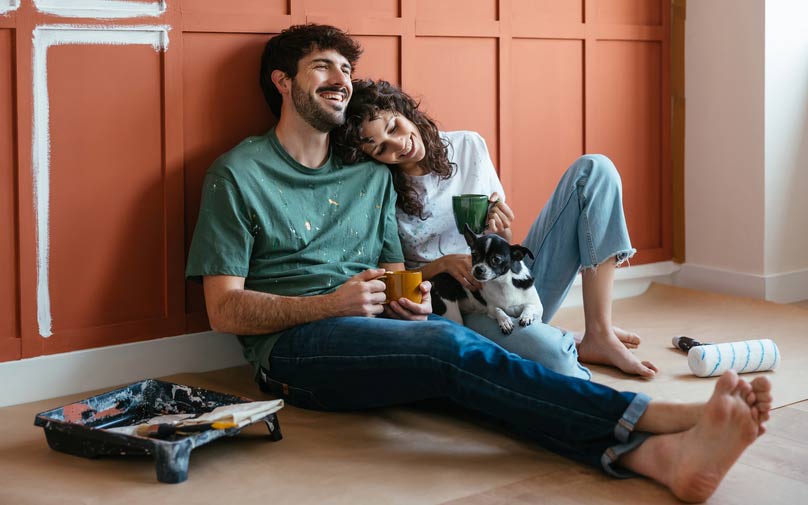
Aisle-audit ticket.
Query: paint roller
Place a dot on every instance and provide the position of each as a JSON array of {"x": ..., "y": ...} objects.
[{"x": 708, "y": 360}]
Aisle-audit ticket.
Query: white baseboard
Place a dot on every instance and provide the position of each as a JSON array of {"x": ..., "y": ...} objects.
[
  {"x": 788, "y": 287},
  {"x": 34, "y": 379},
  {"x": 628, "y": 281},
  {"x": 45, "y": 377},
  {"x": 781, "y": 288}
]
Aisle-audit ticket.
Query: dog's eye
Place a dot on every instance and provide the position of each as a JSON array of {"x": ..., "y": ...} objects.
[{"x": 496, "y": 260}]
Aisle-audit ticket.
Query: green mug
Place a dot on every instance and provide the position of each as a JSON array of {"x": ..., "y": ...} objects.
[{"x": 470, "y": 210}]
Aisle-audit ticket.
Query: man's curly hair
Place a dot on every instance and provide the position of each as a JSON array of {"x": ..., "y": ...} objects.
[
  {"x": 368, "y": 100},
  {"x": 284, "y": 51}
]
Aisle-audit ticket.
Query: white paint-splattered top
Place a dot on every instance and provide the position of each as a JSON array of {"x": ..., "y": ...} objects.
[{"x": 426, "y": 240}]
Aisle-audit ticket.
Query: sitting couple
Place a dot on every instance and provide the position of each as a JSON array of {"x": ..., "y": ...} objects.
[{"x": 291, "y": 242}]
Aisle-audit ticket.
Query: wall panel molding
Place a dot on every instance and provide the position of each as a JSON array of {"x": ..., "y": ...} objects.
[
  {"x": 7, "y": 6},
  {"x": 44, "y": 38},
  {"x": 101, "y": 9}
]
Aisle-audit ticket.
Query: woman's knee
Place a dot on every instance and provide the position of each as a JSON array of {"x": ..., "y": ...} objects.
[{"x": 598, "y": 167}]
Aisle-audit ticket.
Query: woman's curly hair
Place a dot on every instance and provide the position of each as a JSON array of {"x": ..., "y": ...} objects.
[{"x": 368, "y": 100}]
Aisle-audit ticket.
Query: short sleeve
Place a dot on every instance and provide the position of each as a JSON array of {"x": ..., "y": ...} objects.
[
  {"x": 391, "y": 243},
  {"x": 222, "y": 241}
]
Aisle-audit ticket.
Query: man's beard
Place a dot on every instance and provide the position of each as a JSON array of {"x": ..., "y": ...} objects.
[{"x": 314, "y": 113}]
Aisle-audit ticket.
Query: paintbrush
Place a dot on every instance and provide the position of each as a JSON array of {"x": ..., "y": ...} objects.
[{"x": 164, "y": 430}]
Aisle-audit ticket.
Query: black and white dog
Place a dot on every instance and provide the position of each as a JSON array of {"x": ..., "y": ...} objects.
[{"x": 507, "y": 285}]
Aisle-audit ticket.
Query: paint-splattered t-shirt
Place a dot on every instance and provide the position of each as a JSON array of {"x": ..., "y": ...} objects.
[
  {"x": 426, "y": 240},
  {"x": 288, "y": 229}
]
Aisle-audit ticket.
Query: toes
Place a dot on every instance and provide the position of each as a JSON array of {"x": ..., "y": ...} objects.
[
  {"x": 629, "y": 339},
  {"x": 761, "y": 385},
  {"x": 726, "y": 383},
  {"x": 744, "y": 390},
  {"x": 650, "y": 366},
  {"x": 647, "y": 369}
]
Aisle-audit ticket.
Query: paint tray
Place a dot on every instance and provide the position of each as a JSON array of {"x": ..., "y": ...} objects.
[{"x": 81, "y": 428}]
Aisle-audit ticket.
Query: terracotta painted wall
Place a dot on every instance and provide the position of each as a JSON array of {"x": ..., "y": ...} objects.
[{"x": 110, "y": 115}]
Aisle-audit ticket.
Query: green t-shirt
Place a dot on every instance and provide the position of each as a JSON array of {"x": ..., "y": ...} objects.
[{"x": 288, "y": 229}]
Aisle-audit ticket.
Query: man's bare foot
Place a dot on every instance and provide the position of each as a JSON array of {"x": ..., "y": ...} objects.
[
  {"x": 693, "y": 463},
  {"x": 606, "y": 348},
  {"x": 709, "y": 449}
]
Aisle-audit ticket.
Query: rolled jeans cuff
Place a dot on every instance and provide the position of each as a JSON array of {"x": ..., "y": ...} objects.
[{"x": 624, "y": 432}]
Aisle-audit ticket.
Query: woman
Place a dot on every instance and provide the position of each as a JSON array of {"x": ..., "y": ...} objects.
[{"x": 582, "y": 227}]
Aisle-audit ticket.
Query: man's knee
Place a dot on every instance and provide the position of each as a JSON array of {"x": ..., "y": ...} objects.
[{"x": 447, "y": 341}]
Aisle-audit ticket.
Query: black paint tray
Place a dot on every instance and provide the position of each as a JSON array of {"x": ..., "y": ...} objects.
[{"x": 81, "y": 427}]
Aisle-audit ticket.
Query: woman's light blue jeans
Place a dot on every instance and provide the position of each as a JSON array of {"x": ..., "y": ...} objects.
[
  {"x": 581, "y": 226},
  {"x": 355, "y": 363}
]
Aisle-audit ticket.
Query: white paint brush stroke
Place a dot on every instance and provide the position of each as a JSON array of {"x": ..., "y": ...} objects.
[
  {"x": 45, "y": 37},
  {"x": 9, "y": 5},
  {"x": 102, "y": 9}
]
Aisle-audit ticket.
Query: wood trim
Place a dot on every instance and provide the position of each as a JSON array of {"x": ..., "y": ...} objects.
[{"x": 678, "y": 16}]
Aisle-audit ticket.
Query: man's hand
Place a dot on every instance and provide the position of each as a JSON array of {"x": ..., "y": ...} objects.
[
  {"x": 405, "y": 308},
  {"x": 361, "y": 295},
  {"x": 459, "y": 267}
]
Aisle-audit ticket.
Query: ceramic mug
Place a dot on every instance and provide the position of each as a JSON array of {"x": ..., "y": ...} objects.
[
  {"x": 470, "y": 210},
  {"x": 402, "y": 284}
]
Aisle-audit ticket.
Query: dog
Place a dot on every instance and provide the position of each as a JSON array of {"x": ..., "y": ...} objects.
[{"x": 507, "y": 284}]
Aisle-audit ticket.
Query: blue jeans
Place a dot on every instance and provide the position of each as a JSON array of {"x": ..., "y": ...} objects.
[
  {"x": 581, "y": 226},
  {"x": 356, "y": 363}
]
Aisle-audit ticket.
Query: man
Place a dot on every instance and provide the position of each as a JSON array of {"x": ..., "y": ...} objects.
[{"x": 288, "y": 244}]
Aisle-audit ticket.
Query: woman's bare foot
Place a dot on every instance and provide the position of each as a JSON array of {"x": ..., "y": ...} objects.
[
  {"x": 693, "y": 463},
  {"x": 607, "y": 348},
  {"x": 630, "y": 340}
]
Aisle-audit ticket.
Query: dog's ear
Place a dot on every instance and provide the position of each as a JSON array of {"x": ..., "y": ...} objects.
[
  {"x": 470, "y": 235},
  {"x": 519, "y": 252}
]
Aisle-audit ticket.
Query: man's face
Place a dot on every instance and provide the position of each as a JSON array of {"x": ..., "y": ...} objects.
[{"x": 321, "y": 89}]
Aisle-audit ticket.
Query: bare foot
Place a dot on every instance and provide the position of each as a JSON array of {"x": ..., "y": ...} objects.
[
  {"x": 606, "y": 348},
  {"x": 727, "y": 427},
  {"x": 630, "y": 340}
]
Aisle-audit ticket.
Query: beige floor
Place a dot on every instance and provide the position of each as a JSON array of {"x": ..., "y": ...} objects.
[{"x": 432, "y": 454}]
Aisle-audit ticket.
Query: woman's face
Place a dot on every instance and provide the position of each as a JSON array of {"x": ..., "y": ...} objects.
[{"x": 393, "y": 139}]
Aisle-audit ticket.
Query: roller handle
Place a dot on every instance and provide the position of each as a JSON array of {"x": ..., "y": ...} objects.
[{"x": 685, "y": 343}]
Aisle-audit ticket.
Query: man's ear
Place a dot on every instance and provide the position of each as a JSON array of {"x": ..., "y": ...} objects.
[{"x": 281, "y": 81}]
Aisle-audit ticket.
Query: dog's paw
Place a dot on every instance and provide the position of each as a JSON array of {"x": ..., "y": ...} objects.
[
  {"x": 525, "y": 320},
  {"x": 506, "y": 326}
]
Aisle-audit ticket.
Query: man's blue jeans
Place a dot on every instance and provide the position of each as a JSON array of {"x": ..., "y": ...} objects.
[{"x": 355, "y": 363}]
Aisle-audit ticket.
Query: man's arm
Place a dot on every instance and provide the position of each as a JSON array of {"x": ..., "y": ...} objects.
[{"x": 233, "y": 309}]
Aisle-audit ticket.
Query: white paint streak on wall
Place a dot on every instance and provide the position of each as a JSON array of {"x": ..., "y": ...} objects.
[
  {"x": 45, "y": 37},
  {"x": 102, "y": 9},
  {"x": 9, "y": 5}
]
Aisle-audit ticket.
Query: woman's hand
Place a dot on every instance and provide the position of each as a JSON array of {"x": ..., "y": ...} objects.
[
  {"x": 500, "y": 217},
  {"x": 459, "y": 267}
]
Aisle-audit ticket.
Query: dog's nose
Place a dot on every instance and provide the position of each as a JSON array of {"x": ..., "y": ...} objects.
[{"x": 478, "y": 272}]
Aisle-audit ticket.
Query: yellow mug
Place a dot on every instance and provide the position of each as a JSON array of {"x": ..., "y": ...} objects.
[{"x": 402, "y": 284}]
